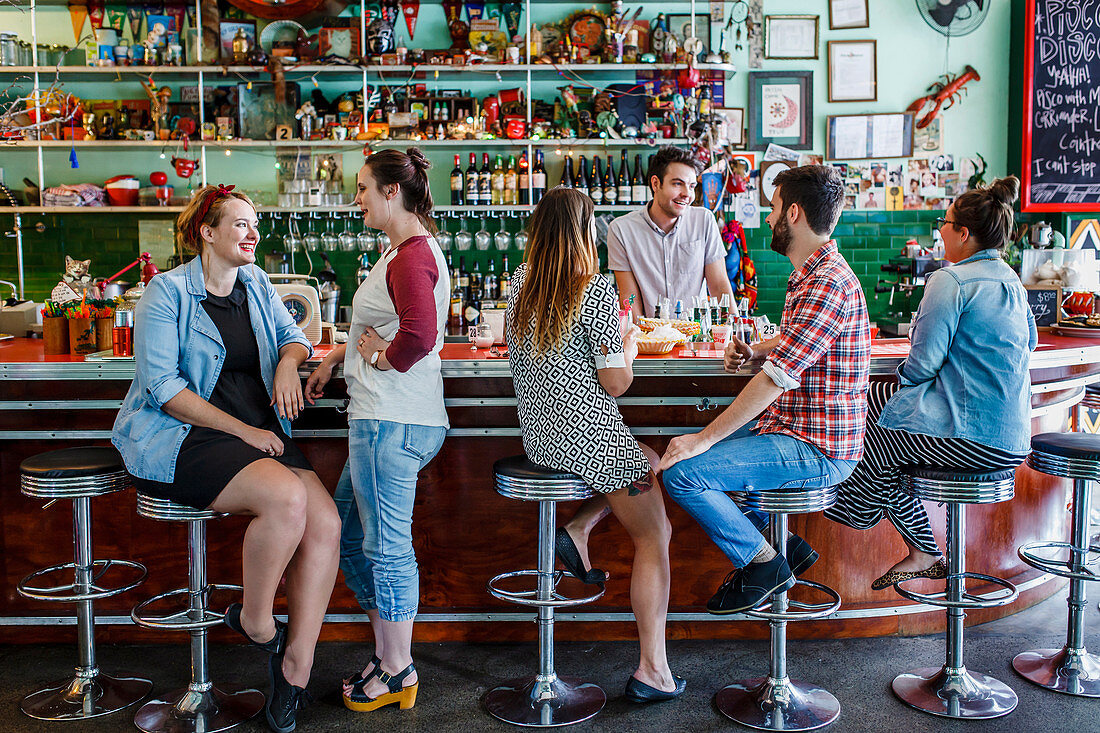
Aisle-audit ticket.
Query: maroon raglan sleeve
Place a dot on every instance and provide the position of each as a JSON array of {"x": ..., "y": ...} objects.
[{"x": 410, "y": 279}]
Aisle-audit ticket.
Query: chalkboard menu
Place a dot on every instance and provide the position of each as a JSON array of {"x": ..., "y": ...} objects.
[
  {"x": 1061, "y": 139},
  {"x": 1044, "y": 305}
]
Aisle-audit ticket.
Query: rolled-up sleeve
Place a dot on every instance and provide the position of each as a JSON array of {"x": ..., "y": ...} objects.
[
  {"x": 811, "y": 326},
  {"x": 157, "y": 344},
  {"x": 933, "y": 329},
  {"x": 286, "y": 330}
]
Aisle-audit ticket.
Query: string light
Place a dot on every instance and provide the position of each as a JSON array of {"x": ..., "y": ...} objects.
[{"x": 228, "y": 153}]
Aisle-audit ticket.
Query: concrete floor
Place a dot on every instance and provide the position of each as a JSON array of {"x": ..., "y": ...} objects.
[{"x": 454, "y": 676}]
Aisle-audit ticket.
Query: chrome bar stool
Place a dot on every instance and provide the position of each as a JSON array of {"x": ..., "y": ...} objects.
[
  {"x": 777, "y": 702},
  {"x": 1071, "y": 669},
  {"x": 200, "y": 707},
  {"x": 953, "y": 691},
  {"x": 80, "y": 474},
  {"x": 545, "y": 699}
]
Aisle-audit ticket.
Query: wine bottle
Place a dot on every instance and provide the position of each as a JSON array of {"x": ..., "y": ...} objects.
[
  {"x": 595, "y": 183},
  {"x": 622, "y": 183},
  {"x": 610, "y": 192},
  {"x": 511, "y": 182},
  {"x": 637, "y": 183},
  {"x": 497, "y": 197},
  {"x": 485, "y": 182},
  {"x": 524, "y": 180},
  {"x": 567, "y": 177},
  {"x": 458, "y": 185},
  {"x": 582, "y": 176},
  {"x": 473, "y": 196},
  {"x": 538, "y": 178}
]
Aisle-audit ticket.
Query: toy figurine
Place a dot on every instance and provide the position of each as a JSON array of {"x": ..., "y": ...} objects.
[
  {"x": 75, "y": 283},
  {"x": 158, "y": 108},
  {"x": 307, "y": 118}
]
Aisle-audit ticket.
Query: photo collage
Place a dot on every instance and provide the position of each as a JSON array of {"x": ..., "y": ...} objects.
[{"x": 918, "y": 183}]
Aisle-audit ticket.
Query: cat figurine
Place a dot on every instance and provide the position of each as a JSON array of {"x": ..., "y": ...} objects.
[{"x": 76, "y": 283}]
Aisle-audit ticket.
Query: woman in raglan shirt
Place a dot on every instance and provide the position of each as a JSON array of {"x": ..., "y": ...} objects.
[{"x": 396, "y": 418}]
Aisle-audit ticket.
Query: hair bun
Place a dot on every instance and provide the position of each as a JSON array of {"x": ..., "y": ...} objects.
[
  {"x": 1006, "y": 190},
  {"x": 418, "y": 159}
]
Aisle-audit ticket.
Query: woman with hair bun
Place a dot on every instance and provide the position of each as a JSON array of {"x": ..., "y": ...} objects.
[
  {"x": 396, "y": 418},
  {"x": 206, "y": 423},
  {"x": 963, "y": 396}
]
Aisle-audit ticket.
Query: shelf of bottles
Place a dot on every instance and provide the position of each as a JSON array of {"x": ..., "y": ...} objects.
[{"x": 561, "y": 143}]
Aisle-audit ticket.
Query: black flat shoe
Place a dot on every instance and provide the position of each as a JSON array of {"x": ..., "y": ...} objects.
[
  {"x": 285, "y": 699},
  {"x": 275, "y": 645},
  {"x": 800, "y": 556},
  {"x": 567, "y": 552},
  {"x": 746, "y": 587},
  {"x": 640, "y": 692}
]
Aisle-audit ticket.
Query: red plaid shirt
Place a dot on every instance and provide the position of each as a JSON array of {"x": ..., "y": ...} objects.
[{"x": 825, "y": 345}]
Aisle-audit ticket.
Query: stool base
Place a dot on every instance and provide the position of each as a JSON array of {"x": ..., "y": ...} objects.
[
  {"x": 766, "y": 703},
  {"x": 1062, "y": 670},
  {"x": 78, "y": 698},
  {"x": 569, "y": 700},
  {"x": 189, "y": 711},
  {"x": 960, "y": 694}
]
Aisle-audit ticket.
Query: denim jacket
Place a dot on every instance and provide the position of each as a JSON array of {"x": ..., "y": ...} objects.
[
  {"x": 966, "y": 375},
  {"x": 177, "y": 347}
]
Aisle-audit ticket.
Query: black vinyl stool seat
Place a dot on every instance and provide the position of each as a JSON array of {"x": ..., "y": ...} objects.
[
  {"x": 80, "y": 474},
  {"x": 953, "y": 691},
  {"x": 200, "y": 707},
  {"x": 1072, "y": 669},
  {"x": 545, "y": 699},
  {"x": 777, "y": 702}
]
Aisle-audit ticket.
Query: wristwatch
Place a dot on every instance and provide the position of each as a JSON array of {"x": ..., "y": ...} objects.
[{"x": 374, "y": 358}]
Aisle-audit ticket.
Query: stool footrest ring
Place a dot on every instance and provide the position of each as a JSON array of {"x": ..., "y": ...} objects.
[
  {"x": 69, "y": 593},
  {"x": 969, "y": 600},
  {"x": 808, "y": 612},
  {"x": 181, "y": 619},
  {"x": 1028, "y": 554},
  {"x": 529, "y": 597}
]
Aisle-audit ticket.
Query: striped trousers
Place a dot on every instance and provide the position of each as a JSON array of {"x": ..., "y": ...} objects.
[{"x": 874, "y": 488}]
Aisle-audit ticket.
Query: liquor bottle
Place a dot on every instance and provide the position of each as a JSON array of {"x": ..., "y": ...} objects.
[
  {"x": 498, "y": 181},
  {"x": 505, "y": 280},
  {"x": 463, "y": 279},
  {"x": 472, "y": 312},
  {"x": 511, "y": 182},
  {"x": 637, "y": 183},
  {"x": 581, "y": 183},
  {"x": 473, "y": 196},
  {"x": 538, "y": 179},
  {"x": 458, "y": 185},
  {"x": 704, "y": 101},
  {"x": 524, "y": 179},
  {"x": 476, "y": 282},
  {"x": 610, "y": 192},
  {"x": 622, "y": 183},
  {"x": 454, "y": 320},
  {"x": 485, "y": 182},
  {"x": 490, "y": 288},
  {"x": 595, "y": 181},
  {"x": 567, "y": 177}
]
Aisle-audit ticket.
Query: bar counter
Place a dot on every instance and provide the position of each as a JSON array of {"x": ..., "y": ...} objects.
[{"x": 465, "y": 533}]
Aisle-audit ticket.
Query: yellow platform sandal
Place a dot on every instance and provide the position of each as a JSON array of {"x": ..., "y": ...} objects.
[{"x": 358, "y": 701}]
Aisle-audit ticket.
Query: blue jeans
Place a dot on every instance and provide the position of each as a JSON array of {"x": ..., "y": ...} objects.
[
  {"x": 742, "y": 461},
  {"x": 375, "y": 498}
]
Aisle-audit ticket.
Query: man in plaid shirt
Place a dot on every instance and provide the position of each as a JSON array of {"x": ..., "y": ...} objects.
[{"x": 811, "y": 389}]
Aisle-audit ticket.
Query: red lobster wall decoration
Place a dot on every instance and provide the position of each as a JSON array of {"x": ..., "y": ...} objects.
[{"x": 946, "y": 90}]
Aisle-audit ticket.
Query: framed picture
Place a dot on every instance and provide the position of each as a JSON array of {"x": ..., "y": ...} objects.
[
  {"x": 227, "y": 30},
  {"x": 781, "y": 109},
  {"x": 259, "y": 114},
  {"x": 769, "y": 169},
  {"x": 682, "y": 27},
  {"x": 790, "y": 36},
  {"x": 861, "y": 137},
  {"x": 853, "y": 71},
  {"x": 731, "y": 127},
  {"x": 848, "y": 14}
]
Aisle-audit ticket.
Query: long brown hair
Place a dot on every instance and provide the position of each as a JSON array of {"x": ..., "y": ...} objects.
[
  {"x": 561, "y": 259},
  {"x": 205, "y": 207}
]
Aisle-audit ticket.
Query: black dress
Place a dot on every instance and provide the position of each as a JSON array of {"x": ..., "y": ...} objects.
[{"x": 209, "y": 459}]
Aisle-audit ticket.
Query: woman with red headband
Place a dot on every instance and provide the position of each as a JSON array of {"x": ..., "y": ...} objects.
[{"x": 206, "y": 423}]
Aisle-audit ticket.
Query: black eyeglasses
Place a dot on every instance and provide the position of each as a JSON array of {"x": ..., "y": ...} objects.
[{"x": 939, "y": 221}]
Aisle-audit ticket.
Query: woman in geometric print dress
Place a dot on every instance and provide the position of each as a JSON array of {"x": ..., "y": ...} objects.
[
  {"x": 963, "y": 396},
  {"x": 569, "y": 361}
]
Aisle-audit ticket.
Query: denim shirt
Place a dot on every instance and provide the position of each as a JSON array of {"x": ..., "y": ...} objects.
[
  {"x": 178, "y": 347},
  {"x": 966, "y": 375}
]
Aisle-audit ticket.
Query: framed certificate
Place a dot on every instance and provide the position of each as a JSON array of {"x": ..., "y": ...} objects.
[
  {"x": 790, "y": 36},
  {"x": 853, "y": 73}
]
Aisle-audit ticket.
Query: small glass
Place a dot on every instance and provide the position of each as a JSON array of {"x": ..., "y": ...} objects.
[{"x": 481, "y": 336}]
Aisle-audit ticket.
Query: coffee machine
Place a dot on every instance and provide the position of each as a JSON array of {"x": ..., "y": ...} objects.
[{"x": 909, "y": 271}]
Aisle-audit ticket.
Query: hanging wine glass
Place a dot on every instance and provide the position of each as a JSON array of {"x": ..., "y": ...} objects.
[
  {"x": 482, "y": 238},
  {"x": 365, "y": 240},
  {"x": 330, "y": 242},
  {"x": 463, "y": 239},
  {"x": 502, "y": 240},
  {"x": 519, "y": 241},
  {"x": 383, "y": 240},
  {"x": 311, "y": 241},
  {"x": 291, "y": 241},
  {"x": 348, "y": 241},
  {"x": 443, "y": 237}
]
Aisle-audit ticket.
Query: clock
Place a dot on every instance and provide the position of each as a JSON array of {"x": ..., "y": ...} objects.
[
  {"x": 769, "y": 169},
  {"x": 586, "y": 28}
]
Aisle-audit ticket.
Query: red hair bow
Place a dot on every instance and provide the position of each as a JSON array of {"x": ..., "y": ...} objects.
[{"x": 222, "y": 191}]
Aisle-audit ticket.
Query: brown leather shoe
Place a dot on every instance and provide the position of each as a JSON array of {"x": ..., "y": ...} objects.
[{"x": 937, "y": 571}]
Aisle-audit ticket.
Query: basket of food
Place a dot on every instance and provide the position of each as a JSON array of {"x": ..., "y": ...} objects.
[
  {"x": 660, "y": 340},
  {"x": 688, "y": 328}
]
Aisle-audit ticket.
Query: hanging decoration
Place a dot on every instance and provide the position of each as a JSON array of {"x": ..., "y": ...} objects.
[
  {"x": 133, "y": 14},
  {"x": 513, "y": 11},
  {"x": 96, "y": 13},
  {"x": 410, "y": 9},
  {"x": 78, "y": 14},
  {"x": 475, "y": 9}
]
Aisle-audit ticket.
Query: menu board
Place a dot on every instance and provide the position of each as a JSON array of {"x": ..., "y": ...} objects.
[{"x": 1061, "y": 135}]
